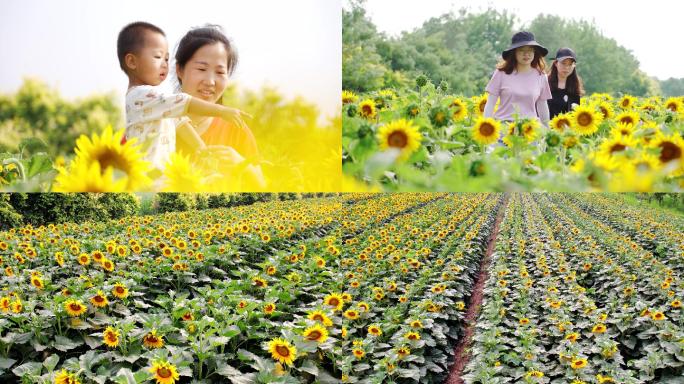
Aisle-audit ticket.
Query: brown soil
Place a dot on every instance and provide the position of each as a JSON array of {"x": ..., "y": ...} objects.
[{"x": 462, "y": 349}]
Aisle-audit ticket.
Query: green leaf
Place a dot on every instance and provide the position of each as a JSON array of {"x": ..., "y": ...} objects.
[
  {"x": 51, "y": 362},
  {"x": 6, "y": 363},
  {"x": 309, "y": 367},
  {"x": 65, "y": 344},
  {"x": 32, "y": 368},
  {"x": 38, "y": 163},
  {"x": 227, "y": 370},
  {"x": 125, "y": 376}
]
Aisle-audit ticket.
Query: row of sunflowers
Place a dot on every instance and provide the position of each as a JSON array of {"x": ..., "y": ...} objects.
[
  {"x": 358, "y": 288},
  {"x": 425, "y": 139},
  {"x": 582, "y": 289}
]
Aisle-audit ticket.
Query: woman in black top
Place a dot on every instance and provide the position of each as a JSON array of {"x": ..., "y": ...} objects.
[{"x": 566, "y": 85}]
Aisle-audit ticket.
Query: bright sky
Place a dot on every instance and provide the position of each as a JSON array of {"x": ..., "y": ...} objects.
[
  {"x": 294, "y": 45},
  {"x": 651, "y": 30}
]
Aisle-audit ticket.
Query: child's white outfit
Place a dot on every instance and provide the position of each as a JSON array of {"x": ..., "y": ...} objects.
[{"x": 151, "y": 116}]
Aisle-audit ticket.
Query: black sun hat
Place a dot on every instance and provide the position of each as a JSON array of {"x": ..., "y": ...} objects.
[
  {"x": 565, "y": 53},
  {"x": 521, "y": 39}
]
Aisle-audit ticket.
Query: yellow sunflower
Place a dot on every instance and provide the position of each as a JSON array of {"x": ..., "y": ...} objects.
[
  {"x": 182, "y": 176},
  {"x": 598, "y": 328},
  {"x": 578, "y": 363},
  {"x": 658, "y": 316},
  {"x": 320, "y": 316},
  {"x": 560, "y": 123},
  {"x": 622, "y": 129},
  {"x": 606, "y": 109},
  {"x": 164, "y": 372},
  {"x": 486, "y": 130},
  {"x": 628, "y": 117},
  {"x": 111, "y": 337},
  {"x": 88, "y": 177},
  {"x": 152, "y": 340},
  {"x": 358, "y": 353},
  {"x": 374, "y": 330},
  {"x": 671, "y": 151},
  {"x": 349, "y": 97},
  {"x": 120, "y": 291},
  {"x": 585, "y": 120},
  {"x": 282, "y": 351},
  {"x": 367, "y": 109},
  {"x": 99, "y": 300},
  {"x": 37, "y": 282},
  {"x": 334, "y": 300},
  {"x": 75, "y": 307},
  {"x": 627, "y": 102},
  {"x": 674, "y": 104},
  {"x": 400, "y": 134},
  {"x": 316, "y": 333},
  {"x": 269, "y": 308},
  {"x": 64, "y": 377},
  {"x": 351, "y": 314},
  {"x": 125, "y": 160},
  {"x": 617, "y": 145},
  {"x": 459, "y": 108}
]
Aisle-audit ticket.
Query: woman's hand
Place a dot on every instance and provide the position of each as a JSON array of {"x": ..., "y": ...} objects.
[{"x": 235, "y": 115}]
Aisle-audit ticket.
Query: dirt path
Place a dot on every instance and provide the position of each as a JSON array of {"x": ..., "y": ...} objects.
[{"x": 462, "y": 350}]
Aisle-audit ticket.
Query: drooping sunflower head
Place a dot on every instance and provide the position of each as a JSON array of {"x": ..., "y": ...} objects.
[
  {"x": 282, "y": 351},
  {"x": 486, "y": 130},
  {"x": 64, "y": 377},
  {"x": 585, "y": 120},
  {"x": 401, "y": 135},
  {"x": 617, "y": 145},
  {"x": 164, "y": 372},
  {"x": 316, "y": 333},
  {"x": 367, "y": 109}
]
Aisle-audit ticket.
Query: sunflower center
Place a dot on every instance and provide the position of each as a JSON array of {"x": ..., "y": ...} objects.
[
  {"x": 672, "y": 107},
  {"x": 604, "y": 111},
  {"x": 584, "y": 119},
  {"x": 283, "y": 350},
  {"x": 486, "y": 129},
  {"x": 164, "y": 373},
  {"x": 111, "y": 337},
  {"x": 333, "y": 302},
  {"x": 366, "y": 109},
  {"x": 99, "y": 299},
  {"x": 617, "y": 148},
  {"x": 314, "y": 335},
  {"x": 318, "y": 318},
  {"x": 397, "y": 139},
  {"x": 119, "y": 290},
  {"x": 75, "y": 307},
  {"x": 109, "y": 158},
  {"x": 627, "y": 120},
  {"x": 669, "y": 151}
]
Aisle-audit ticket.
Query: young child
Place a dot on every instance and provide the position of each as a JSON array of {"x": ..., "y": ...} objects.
[{"x": 152, "y": 116}]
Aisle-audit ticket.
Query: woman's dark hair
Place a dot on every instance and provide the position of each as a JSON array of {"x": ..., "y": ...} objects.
[
  {"x": 132, "y": 38},
  {"x": 509, "y": 63},
  {"x": 199, "y": 37},
  {"x": 573, "y": 84}
]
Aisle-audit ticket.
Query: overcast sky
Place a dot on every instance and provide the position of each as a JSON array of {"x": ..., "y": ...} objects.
[
  {"x": 293, "y": 45},
  {"x": 652, "y": 30}
]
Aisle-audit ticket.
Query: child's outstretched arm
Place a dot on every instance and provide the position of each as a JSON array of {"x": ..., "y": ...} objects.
[{"x": 200, "y": 107}]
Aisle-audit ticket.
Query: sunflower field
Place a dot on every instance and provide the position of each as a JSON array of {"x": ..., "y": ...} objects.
[
  {"x": 425, "y": 139},
  {"x": 367, "y": 288}
]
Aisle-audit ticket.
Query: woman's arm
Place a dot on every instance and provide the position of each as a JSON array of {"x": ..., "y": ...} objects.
[
  {"x": 186, "y": 132},
  {"x": 200, "y": 107}
]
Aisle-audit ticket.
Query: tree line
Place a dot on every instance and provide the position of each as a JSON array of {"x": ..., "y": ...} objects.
[{"x": 462, "y": 49}]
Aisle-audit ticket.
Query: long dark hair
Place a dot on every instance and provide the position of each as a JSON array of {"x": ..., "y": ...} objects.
[
  {"x": 573, "y": 84},
  {"x": 509, "y": 63}
]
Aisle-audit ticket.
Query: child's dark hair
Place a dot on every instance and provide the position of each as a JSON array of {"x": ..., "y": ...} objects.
[
  {"x": 132, "y": 38},
  {"x": 197, "y": 38}
]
